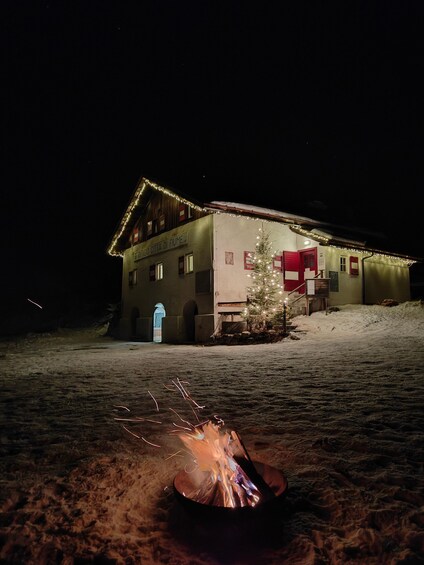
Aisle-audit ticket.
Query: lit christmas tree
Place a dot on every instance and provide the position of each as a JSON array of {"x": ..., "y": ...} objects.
[{"x": 265, "y": 294}]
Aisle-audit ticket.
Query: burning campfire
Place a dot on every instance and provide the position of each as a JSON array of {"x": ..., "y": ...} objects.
[{"x": 220, "y": 473}]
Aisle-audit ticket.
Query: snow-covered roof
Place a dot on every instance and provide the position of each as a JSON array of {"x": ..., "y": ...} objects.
[
  {"x": 323, "y": 232},
  {"x": 259, "y": 211}
]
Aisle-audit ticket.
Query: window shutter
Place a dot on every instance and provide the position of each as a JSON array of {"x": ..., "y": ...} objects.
[
  {"x": 181, "y": 265},
  {"x": 248, "y": 260},
  {"x": 152, "y": 272},
  {"x": 182, "y": 212},
  {"x": 354, "y": 265},
  {"x": 291, "y": 263},
  {"x": 277, "y": 263}
]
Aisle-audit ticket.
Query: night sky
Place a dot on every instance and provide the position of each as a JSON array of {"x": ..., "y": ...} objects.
[{"x": 309, "y": 107}]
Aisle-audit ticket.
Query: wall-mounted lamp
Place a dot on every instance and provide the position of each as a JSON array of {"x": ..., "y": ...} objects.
[{"x": 306, "y": 242}]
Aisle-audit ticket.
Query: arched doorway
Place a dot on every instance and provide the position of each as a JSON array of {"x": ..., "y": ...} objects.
[
  {"x": 189, "y": 313},
  {"x": 158, "y": 314}
]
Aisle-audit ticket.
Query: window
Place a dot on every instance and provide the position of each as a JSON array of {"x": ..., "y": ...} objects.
[
  {"x": 308, "y": 260},
  {"x": 154, "y": 226},
  {"x": 159, "y": 271},
  {"x": 185, "y": 264},
  {"x": 162, "y": 223},
  {"x": 132, "y": 277},
  {"x": 156, "y": 272},
  {"x": 229, "y": 258},
  {"x": 342, "y": 264},
  {"x": 189, "y": 263}
]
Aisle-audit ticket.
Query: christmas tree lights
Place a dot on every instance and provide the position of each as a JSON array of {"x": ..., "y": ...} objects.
[{"x": 264, "y": 294}]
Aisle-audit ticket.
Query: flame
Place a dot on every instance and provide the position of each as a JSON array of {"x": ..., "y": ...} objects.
[
  {"x": 222, "y": 473},
  {"x": 220, "y": 478}
]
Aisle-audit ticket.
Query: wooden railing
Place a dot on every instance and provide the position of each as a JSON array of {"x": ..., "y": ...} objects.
[{"x": 317, "y": 276}]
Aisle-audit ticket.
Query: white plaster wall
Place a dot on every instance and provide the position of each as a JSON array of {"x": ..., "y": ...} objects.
[
  {"x": 237, "y": 235},
  {"x": 350, "y": 286},
  {"x": 383, "y": 279},
  {"x": 174, "y": 290}
]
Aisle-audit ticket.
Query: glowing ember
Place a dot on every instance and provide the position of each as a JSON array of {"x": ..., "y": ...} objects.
[{"x": 222, "y": 473}]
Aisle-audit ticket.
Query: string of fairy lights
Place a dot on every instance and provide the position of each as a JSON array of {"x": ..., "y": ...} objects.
[
  {"x": 325, "y": 240},
  {"x": 143, "y": 185},
  {"x": 322, "y": 239}
]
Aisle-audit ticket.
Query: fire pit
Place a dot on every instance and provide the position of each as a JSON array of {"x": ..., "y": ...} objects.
[
  {"x": 271, "y": 482},
  {"x": 221, "y": 480}
]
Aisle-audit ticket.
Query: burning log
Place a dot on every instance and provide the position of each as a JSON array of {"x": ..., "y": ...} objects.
[{"x": 225, "y": 475}]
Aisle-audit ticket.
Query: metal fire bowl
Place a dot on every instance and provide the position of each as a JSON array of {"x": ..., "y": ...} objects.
[{"x": 273, "y": 477}]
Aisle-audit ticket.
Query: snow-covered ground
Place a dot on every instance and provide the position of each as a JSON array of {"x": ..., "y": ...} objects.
[{"x": 338, "y": 407}]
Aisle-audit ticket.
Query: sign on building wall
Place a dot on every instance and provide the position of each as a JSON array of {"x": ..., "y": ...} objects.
[
  {"x": 334, "y": 281},
  {"x": 321, "y": 261},
  {"x": 318, "y": 287},
  {"x": 159, "y": 246}
]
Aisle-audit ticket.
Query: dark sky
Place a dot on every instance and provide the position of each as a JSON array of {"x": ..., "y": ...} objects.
[{"x": 300, "y": 106}]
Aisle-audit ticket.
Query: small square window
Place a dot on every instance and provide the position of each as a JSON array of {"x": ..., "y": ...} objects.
[{"x": 229, "y": 258}]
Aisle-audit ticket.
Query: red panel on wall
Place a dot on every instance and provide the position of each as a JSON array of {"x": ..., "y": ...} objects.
[
  {"x": 291, "y": 264},
  {"x": 354, "y": 265},
  {"x": 182, "y": 212},
  {"x": 277, "y": 263},
  {"x": 248, "y": 260}
]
